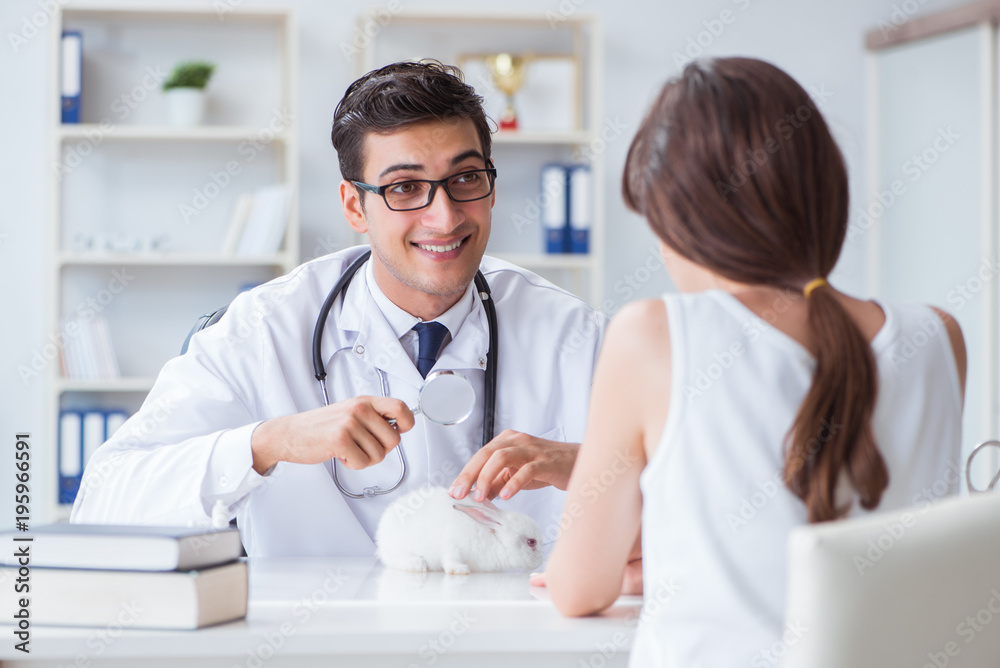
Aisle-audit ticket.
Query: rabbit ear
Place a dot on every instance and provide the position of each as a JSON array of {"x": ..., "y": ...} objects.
[{"x": 477, "y": 514}]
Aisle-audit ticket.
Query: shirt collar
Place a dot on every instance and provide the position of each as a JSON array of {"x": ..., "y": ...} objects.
[{"x": 402, "y": 322}]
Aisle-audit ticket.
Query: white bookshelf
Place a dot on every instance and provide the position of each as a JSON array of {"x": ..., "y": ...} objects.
[
  {"x": 136, "y": 171},
  {"x": 518, "y": 154},
  {"x": 282, "y": 260},
  {"x": 217, "y": 133}
]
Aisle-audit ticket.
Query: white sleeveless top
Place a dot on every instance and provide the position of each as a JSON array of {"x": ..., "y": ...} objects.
[{"x": 716, "y": 515}]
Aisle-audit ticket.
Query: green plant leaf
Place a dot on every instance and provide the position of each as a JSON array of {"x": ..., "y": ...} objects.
[{"x": 190, "y": 74}]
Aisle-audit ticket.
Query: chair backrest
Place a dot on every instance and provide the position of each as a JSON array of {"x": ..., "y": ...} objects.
[
  {"x": 204, "y": 321},
  {"x": 918, "y": 588}
]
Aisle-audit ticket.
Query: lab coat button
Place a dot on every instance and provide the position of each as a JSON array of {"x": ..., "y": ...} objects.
[
  {"x": 224, "y": 481},
  {"x": 359, "y": 349},
  {"x": 482, "y": 362}
]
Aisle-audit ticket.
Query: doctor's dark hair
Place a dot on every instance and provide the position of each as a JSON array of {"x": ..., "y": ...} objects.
[
  {"x": 395, "y": 96},
  {"x": 736, "y": 170}
]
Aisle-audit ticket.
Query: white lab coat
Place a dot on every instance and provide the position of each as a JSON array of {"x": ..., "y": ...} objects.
[{"x": 188, "y": 447}]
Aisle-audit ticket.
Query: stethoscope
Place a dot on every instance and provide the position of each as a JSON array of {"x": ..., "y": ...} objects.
[
  {"x": 968, "y": 467},
  {"x": 489, "y": 406}
]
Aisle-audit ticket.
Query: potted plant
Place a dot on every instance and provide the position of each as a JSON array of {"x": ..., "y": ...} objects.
[{"x": 184, "y": 91}]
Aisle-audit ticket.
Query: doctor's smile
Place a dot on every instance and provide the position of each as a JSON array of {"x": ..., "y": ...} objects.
[{"x": 440, "y": 250}]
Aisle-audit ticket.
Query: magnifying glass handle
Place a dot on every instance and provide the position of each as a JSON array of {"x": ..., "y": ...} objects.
[{"x": 415, "y": 410}]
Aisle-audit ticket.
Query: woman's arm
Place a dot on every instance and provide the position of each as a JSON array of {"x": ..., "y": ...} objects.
[{"x": 604, "y": 504}]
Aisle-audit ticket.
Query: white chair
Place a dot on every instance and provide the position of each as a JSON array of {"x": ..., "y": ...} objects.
[{"x": 918, "y": 588}]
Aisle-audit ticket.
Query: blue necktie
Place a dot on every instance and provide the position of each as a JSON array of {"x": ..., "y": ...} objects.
[{"x": 430, "y": 335}]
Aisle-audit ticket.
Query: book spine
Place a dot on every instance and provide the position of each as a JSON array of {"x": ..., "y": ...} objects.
[
  {"x": 554, "y": 207},
  {"x": 72, "y": 75},
  {"x": 104, "y": 348}
]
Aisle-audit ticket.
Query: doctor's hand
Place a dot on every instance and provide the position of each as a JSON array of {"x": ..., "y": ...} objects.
[
  {"x": 355, "y": 431},
  {"x": 514, "y": 461}
]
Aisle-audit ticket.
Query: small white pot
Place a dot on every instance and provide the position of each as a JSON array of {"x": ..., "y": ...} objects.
[{"x": 185, "y": 106}]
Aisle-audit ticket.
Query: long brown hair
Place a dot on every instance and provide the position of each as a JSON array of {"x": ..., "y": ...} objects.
[{"x": 736, "y": 170}]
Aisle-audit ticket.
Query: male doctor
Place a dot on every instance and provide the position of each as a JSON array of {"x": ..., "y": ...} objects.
[{"x": 237, "y": 426}]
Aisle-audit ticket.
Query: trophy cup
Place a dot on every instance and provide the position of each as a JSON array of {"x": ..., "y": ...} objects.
[{"x": 508, "y": 75}]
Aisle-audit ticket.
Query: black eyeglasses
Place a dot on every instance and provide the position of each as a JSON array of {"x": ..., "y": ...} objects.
[{"x": 419, "y": 193}]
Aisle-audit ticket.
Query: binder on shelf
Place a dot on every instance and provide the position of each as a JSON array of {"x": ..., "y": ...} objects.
[
  {"x": 579, "y": 208},
  {"x": 70, "y": 455},
  {"x": 94, "y": 430},
  {"x": 555, "y": 207},
  {"x": 72, "y": 75},
  {"x": 113, "y": 422}
]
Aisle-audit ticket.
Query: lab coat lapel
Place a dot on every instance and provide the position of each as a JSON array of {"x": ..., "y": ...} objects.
[{"x": 470, "y": 344}]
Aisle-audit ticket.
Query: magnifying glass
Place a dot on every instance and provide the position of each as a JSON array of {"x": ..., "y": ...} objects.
[{"x": 446, "y": 397}]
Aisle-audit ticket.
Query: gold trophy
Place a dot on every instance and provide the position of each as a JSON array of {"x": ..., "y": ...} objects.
[{"x": 508, "y": 75}]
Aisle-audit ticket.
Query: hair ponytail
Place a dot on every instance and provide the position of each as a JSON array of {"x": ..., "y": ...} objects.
[{"x": 832, "y": 433}]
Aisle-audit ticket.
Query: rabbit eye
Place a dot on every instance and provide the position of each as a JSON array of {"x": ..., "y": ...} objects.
[{"x": 532, "y": 542}]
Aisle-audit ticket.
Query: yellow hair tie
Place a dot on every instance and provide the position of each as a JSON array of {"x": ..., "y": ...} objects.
[{"x": 812, "y": 285}]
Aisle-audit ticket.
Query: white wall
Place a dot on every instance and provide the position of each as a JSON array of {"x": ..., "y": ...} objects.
[{"x": 819, "y": 43}]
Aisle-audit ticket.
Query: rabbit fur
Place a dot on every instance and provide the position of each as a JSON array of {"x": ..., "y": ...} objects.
[{"x": 427, "y": 529}]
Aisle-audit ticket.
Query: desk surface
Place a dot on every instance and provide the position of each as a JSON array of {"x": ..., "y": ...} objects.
[{"x": 309, "y": 611}]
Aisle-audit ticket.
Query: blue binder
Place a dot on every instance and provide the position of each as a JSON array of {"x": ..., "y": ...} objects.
[
  {"x": 70, "y": 455},
  {"x": 555, "y": 207},
  {"x": 71, "y": 77},
  {"x": 579, "y": 216}
]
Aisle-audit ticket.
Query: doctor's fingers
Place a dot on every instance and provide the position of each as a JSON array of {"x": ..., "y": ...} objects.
[
  {"x": 357, "y": 434},
  {"x": 374, "y": 436},
  {"x": 502, "y": 466},
  {"x": 359, "y": 448},
  {"x": 511, "y": 481},
  {"x": 473, "y": 471},
  {"x": 387, "y": 407}
]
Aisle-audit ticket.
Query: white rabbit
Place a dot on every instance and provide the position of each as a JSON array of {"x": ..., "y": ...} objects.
[{"x": 428, "y": 530}]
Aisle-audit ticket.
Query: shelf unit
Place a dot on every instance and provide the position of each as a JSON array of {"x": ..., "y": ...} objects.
[
  {"x": 519, "y": 154},
  {"x": 137, "y": 172}
]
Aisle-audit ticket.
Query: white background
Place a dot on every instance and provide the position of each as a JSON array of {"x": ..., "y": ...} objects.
[{"x": 820, "y": 43}]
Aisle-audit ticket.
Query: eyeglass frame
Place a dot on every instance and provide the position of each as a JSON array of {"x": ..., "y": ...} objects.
[{"x": 435, "y": 184}]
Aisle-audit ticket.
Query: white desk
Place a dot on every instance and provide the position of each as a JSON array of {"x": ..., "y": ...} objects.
[{"x": 352, "y": 612}]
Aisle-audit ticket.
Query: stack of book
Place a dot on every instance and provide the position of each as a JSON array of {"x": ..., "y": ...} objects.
[{"x": 132, "y": 576}]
